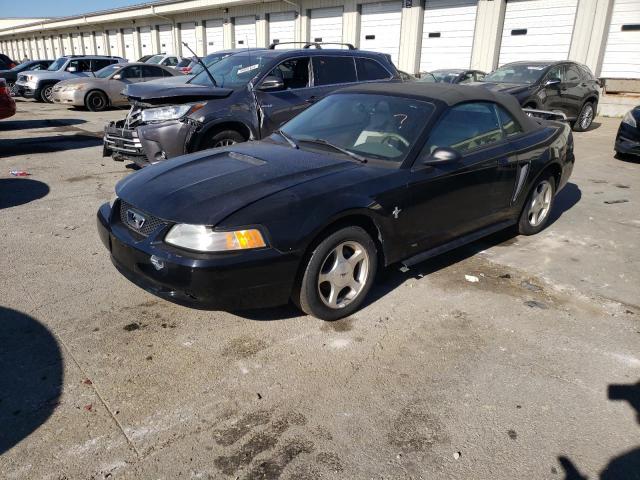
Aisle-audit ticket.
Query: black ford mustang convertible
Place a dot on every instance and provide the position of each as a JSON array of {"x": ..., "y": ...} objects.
[{"x": 370, "y": 176}]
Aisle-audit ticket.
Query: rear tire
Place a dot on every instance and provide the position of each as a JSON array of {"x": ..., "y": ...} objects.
[
  {"x": 46, "y": 94},
  {"x": 224, "y": 139},
  {"x": 537, "y": 210},
  {"x": 96, "y": 101},
  {"x": 338, "y": 274},
  {"x": 585, "y": 117}
]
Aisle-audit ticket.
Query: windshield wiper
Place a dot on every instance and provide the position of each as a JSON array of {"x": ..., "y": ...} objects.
[
  {"x": 199, "y": 60},
  {"x": 322, "y": 141},
  {"x": 289, "y": 140}
]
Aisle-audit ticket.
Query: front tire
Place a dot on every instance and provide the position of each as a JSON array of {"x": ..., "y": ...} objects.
[
  {"x": 537, "y": 210},
  {"x": 338, "y": 274},
  {"x": 96, "y": 101},
  {"x": 585, "y": 117},
  {"x": 46, "y": 94},
  {"x": 224, "y": 139}
]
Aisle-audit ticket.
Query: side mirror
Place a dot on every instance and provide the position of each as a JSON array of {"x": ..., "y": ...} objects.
[
  {"x": 442, "y": 156},
  {"x": 72, "y": 69},
  {"x": 271, "y": 83},
  {"x": 117, "y": 76},
  {"x": 552, "y": 82}
]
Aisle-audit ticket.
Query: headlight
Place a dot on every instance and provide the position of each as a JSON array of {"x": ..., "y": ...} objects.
[
  {"x": 205, "y": 239},
  {"x": 72, "y": 88},
  {"x": 170, "y": 113},
  {"x": 629, "y": 119}
]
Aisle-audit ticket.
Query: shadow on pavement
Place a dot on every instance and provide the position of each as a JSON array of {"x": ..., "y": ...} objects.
[
  {"x": 59, "y": 143},
  {"x": 625, "y": 466},
  {"x": 30, "y": 376},
  {"x": 10, "y": 125},
  {"x": 565, "y": 200},
  {"x": 18, "y": 191}
]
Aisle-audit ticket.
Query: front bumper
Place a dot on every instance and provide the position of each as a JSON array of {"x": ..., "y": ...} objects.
[
  {"x": 27, "y": 90},
  {"x": 147, "y": 144},
  {"x": 628, "y": 140},
  {"x": 223, "y": 281},
  {"x": 69, "y": 97}
]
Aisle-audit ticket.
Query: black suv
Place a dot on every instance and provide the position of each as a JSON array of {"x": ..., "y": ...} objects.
[
  {"x": 244, "y": 96},
  {"x": 566, "y": 87}
]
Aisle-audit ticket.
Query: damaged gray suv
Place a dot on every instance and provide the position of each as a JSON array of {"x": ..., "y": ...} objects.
[{"x": 245, "y": 96}]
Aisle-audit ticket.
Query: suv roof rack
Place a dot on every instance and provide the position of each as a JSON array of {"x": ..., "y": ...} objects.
[{"x": 312, "y": 44}]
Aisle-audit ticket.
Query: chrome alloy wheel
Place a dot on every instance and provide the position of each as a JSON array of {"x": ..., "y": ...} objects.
[
  {"x": 587, "y": 116},
  {"x": 343, "y": 274},
  {"x": 47, "y": 93},
  {"x": 540, "y": 203},
  {"x": 225, "y": 142}
]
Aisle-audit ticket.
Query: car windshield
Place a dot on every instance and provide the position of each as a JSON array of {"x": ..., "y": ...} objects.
[
  {"x": 516, "y": 73},
  {"x": 445, "y": 76},
  {"x": 233, "y": 71},
  {"x": 209, "y": 60},
  {"x": 374, "y": 126},
  {"x": 107, "y": 71},
  {"x": 155, "y": 59},
  {"x": 426, "y": 77},
  {"x": 21, "y": 67},
  {"x": 58, "y": 64}
]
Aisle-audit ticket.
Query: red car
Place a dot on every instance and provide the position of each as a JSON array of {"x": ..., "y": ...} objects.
[{"x": 7, "y": 103}]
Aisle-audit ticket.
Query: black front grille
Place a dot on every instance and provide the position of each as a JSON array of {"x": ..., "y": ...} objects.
[{"x": 128, "y": 215}]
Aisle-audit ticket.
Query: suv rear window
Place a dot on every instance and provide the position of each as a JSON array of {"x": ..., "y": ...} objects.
[
  {"x": 99, "y": 64},
  {"x": 369, "y": 69},
  {"x": 333, "y": 70}
]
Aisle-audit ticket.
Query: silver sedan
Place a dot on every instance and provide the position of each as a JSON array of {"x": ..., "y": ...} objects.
[{"x": 105, "y": 88}]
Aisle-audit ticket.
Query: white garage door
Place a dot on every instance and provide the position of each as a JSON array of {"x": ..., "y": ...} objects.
[
  {"x": 622, "y": 53},
  {"x": 57, "y": 46},
  {"x": 447, "y": 34},
  {"x": 537, "y": 30},
  {"x": 34, "y": 49},
  {"x": 146, "y": 48},
  {"x": 282, "y": 27},
  {"x": 88, "y": 44},
  {"x": 188, "y": 36},
  {"x": 166, "y": 39},
  {"x": 42, "y": 53},
  {"x": 76, "y": 43},
  {"x": 244, "y": 31},
  {"x": 101, "y": 48},
  {"x": 380, "y": 28},
  {"x": 49, "y": 45},
  {"x": 112, "y": 38},
  {"x": 214, "y": 36},
  {"x": 326, "y": 25},
  {"x": 129, "y": 49}
]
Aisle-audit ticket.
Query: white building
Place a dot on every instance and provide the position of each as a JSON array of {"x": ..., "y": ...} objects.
[{"x": 418, "y": 34}]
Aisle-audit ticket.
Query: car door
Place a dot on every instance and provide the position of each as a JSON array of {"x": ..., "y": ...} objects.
[
  {"x": 574, "y": 90},
  {"x": 79, "y": 68},
  {"x": 549, "y": 96},
  {"x": 150, "y": 72},
  {"x": 278, "y": 104},
  {"x": 330, "y": 73},
  {"x": 447, "y": 200}
]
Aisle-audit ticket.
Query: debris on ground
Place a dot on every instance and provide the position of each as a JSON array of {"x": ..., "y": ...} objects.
[
  {"x": 611, "y": 202},
  {"x": 88, "y": 407},
  {"x": 471, "y": 278},
  {"x": 19, "y": 173},
  {"x": 506, "y": 275},
  {"x": 457, "y": 455},
  {"x": 536, "y": 304},
  {"x": 530, "y": 286},
  {"x": 131, "y": 327},
  {"x": 86, "y": 381}
]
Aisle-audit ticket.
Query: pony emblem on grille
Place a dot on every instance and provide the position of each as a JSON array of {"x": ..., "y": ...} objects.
[{"x": 135, "y": 219}]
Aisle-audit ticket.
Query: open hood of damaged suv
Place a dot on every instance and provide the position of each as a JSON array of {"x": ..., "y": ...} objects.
[{"x": 159, "y": 93}]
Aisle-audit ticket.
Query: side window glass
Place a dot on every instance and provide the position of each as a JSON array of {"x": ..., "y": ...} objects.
[
  {"x": 509, "y": 124},
  {"x": 573, "y": 75},
  {"x": 369, "y": 69},
  {"x": 467, "y": 77},
  {"x": 170, "y": 62},
  {"x": 293, "y": 72},
  {"x": 79, "y": 65},
  {"x": 556, "y": 72},
  {"x": 478, "y": 76},
  {"x": 100, "y": 64},
  {"x": 466, "y": 127},
  {"x": 333, "y": 70},
  {"x": 132, "y": 72},
  {"x": 148, "y": 71}
]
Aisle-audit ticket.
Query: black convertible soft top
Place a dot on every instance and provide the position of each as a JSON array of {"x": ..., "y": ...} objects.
[{"x": 447, "y": 94}]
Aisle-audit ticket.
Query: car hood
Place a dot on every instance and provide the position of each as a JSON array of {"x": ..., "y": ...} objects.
[
  {"x": 177, "y": 80},
  {"x": 46, "y": 75},
  {"x": 163, "y": 93},
  {"x": 503, "y": 87},
  {"x": 203, "y": 188}
]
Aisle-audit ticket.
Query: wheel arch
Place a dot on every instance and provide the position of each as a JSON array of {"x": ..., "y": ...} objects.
[
  {"x": 215, "y": 127},
  {"x": 552, "y": 169}
]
